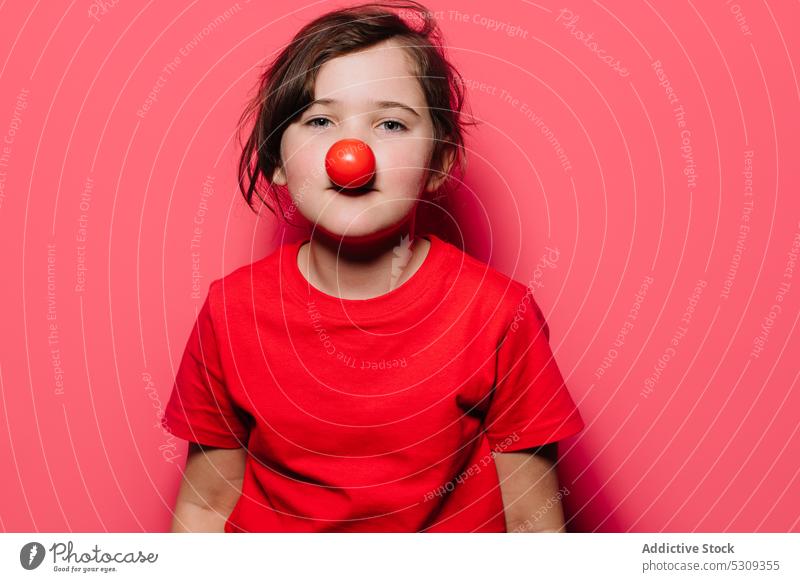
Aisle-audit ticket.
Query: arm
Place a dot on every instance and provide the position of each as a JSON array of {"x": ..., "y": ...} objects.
[
  {"x": 211, "y": 486},
  {"x": 529, "y": 487}
]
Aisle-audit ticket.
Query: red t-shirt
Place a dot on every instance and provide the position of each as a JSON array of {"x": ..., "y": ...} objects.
[{"x": 375, "y": 415}]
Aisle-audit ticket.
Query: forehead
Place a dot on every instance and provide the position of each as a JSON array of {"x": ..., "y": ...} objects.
[{"x": 381, "y": 72}]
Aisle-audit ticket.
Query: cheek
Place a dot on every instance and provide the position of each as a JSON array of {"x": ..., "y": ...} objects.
[
  {"x": 303, "y": 160},
  {"x": 404, "y": 164}
]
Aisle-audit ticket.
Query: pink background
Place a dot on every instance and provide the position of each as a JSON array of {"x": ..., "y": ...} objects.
[{"x": 711, "y": 445}]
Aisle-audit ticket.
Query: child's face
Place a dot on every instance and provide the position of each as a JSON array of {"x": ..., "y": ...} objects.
[{"x": 401, "y": 141}]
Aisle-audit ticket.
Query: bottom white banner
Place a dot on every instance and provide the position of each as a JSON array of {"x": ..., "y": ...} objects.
[{"x": 388, "y": 557}]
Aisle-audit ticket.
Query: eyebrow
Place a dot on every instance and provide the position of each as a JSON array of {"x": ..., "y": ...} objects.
[{"x": 379, "y": 104}]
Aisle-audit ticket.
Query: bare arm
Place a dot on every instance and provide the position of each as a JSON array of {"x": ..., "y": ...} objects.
[
  {"x": 211, "y": 486},
  {"x": 529, "y": 487}
]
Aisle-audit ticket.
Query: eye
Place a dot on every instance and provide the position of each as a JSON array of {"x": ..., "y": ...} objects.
[
  {"x": 313, "y": 119},
  {"x": 400, "y": 127}
]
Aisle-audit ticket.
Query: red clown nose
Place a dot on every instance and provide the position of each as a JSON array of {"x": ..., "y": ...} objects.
[{"x": 350, "y": 163}]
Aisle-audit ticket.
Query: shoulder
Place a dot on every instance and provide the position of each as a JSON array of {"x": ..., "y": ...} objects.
[
  {"x": 491, "y": 282},
  {"x": 240, "y": 285},
  {"x": 492, "y": 289}
]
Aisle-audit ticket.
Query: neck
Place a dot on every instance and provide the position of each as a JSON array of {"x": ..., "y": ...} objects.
[{"x": 362, "y": 267}]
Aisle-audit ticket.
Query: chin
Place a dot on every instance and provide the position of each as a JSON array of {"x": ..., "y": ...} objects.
[
  {"x": 341, "y": 229},
  {"x": 365, "y": 227}
]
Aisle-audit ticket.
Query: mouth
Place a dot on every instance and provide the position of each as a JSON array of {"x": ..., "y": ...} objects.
[{"x": 352, "y": 191}]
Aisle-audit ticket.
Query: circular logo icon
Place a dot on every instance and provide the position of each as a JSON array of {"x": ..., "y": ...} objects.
[{"x": 31, "y": 555}]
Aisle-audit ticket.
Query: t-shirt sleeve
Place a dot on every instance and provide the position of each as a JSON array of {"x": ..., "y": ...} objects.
[
  {"x": 530, "y": 404},
  {"x": 200, "y": 408}
]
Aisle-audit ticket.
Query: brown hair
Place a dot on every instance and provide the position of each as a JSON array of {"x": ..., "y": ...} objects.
[{"x": 286, "y": 87}]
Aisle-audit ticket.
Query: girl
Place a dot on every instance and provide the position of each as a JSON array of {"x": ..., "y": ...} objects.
[{"x": 367, "y": 377}]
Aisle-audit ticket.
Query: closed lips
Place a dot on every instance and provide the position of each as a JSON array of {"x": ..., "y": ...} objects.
[{"x": 361, "y": 190}]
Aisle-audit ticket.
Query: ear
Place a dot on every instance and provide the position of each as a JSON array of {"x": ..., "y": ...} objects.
[
  {"x": 279, "y": 176},
  {"x": 437, "y": 178}
]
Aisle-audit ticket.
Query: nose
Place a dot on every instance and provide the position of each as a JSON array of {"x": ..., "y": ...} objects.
[{"x": 350, "y": 163}]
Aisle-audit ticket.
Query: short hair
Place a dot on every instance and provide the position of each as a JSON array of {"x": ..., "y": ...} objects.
[{"x": 286, "y": 88}]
